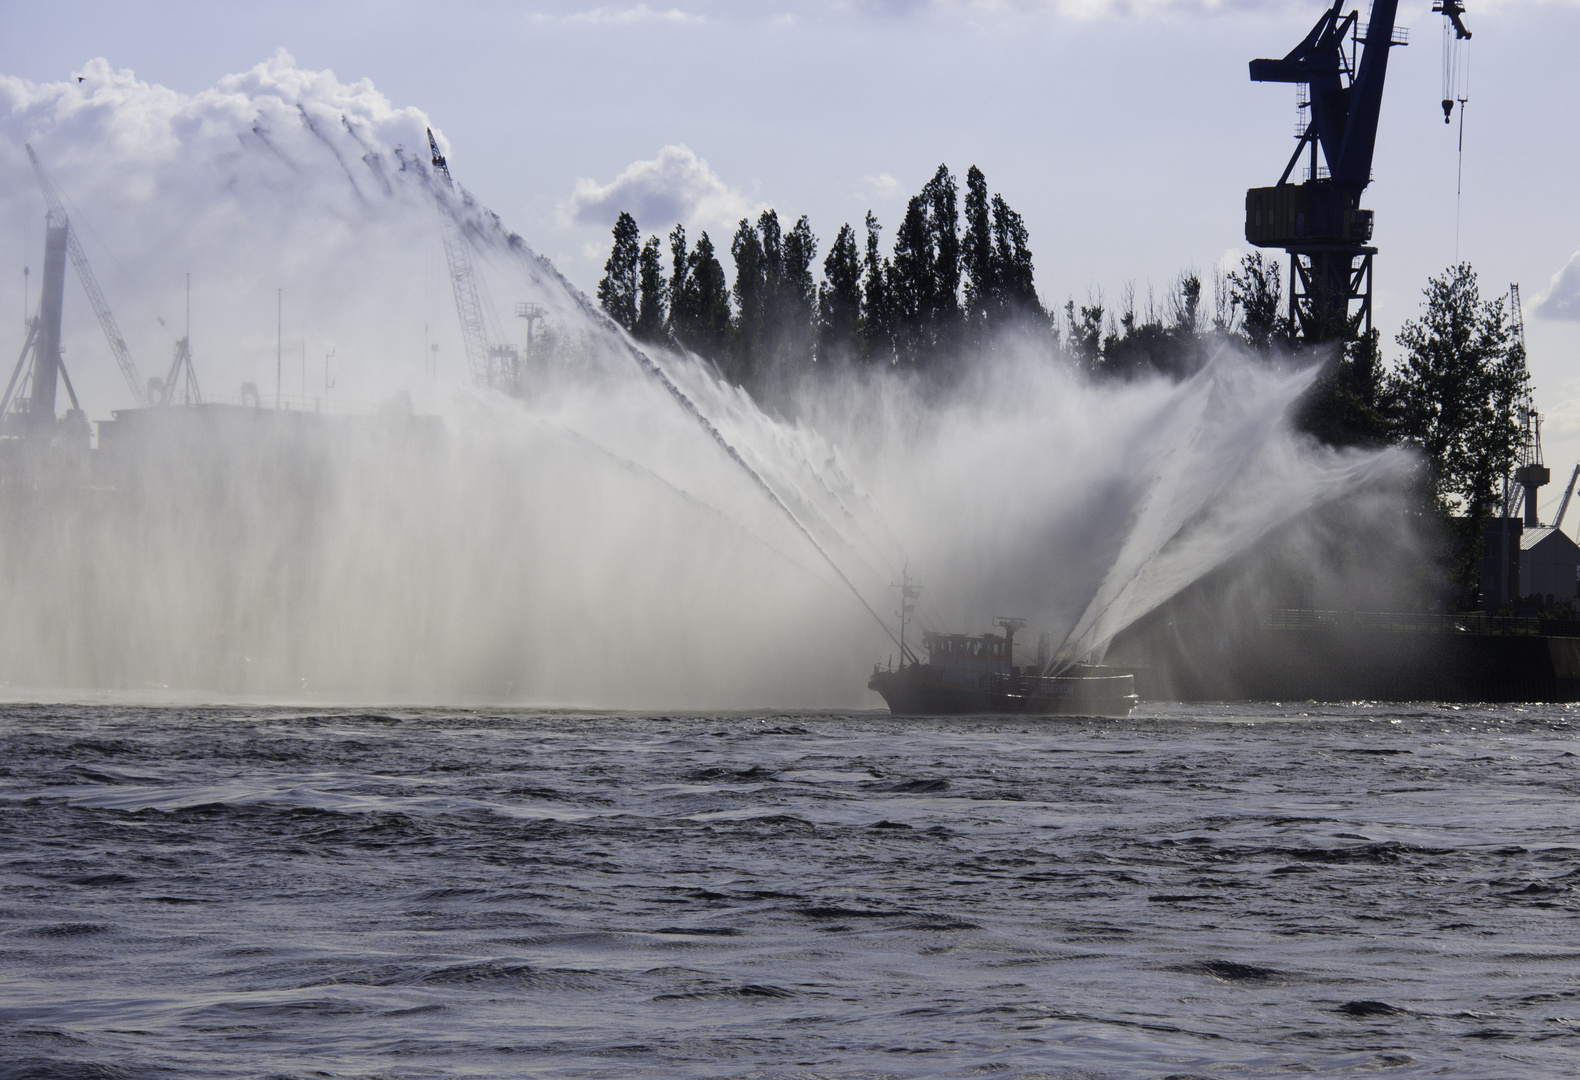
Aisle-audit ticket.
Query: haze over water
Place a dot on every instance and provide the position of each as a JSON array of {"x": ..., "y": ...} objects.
[{"x": 1223, "y": 891}]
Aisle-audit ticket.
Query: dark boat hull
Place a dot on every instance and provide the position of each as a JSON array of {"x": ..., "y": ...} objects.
[{"x": 918, "y": 690}]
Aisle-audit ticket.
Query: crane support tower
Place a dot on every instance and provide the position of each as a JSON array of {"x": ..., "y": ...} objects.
[
  {"x": 30, "y": 395},
  {"x": 1340, "y": 68},
  {"x": 90, "y": 285}
]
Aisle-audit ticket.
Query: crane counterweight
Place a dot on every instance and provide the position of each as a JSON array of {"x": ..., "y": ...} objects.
[{"x": 1319, "y": 220}]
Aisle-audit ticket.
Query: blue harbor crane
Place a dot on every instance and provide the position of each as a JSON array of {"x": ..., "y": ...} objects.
[{"x": 1339, "y": 69}]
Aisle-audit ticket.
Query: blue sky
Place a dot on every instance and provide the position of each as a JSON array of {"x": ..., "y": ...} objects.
[{"x": 1126, "y": 133}]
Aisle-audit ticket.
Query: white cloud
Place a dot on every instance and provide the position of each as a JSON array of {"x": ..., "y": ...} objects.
[
  {"x": 1562, "y": 300},
  {"x": 1069, "y": 8},
  {"x": 277, "y": 177},
  {"x": 882, "y": 186},
  {"x": 676, "y": 185},
  {"x": 1078, "y": 9},
  {"x": 622, "y": 16}
]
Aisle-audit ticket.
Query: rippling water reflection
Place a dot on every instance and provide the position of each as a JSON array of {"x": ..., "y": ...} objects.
[{"x": 1223, "y": 891}]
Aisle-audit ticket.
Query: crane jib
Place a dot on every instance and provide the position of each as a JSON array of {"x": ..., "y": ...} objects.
[{"x": 90, "y": 285}]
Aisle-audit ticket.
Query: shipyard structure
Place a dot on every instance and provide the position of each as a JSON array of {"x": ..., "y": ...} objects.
[
  {"x": 1511, "y": 635},
  {"x": 186, "y": 546}
]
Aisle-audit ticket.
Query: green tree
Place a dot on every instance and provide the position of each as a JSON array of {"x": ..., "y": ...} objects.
[
  {"x": 795, "y": 322},
  {"x": 925, "y": 284},
  {"x": 617, "y": 292},
  {"x": 944, "y": 218},
  {"x": 839, "y": 300},
  {"x": 1013, "y": 274},
  {"x": 652, "y": 294},
  {"x": 911, "y": 284},
  {"x": 699, "y": 307},
  {"x": 1454, "y": 396},
  {"x": 877, "y": 301},
  {"x": 712, "y": 304},
  {"x": 751, "y": 303},
  {"x": 679, "y": 283},
  {"x": 978, "y": 260},
  {"x": 1256, "y": 293},
  {"x": 1084, "y": 335},
  {"x": 1343, "y": 407}
]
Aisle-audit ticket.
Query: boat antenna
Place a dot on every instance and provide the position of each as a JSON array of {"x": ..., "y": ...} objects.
[{"x": 910, "y": 592}]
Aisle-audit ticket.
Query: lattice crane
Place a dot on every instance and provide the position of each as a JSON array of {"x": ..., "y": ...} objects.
[
  {"x": 1340, "y": 68},
  {"x": 90, "y": 284},
  {"x": 1532, "y": 472}
]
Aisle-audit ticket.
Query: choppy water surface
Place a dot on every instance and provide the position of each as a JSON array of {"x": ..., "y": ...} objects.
[{"x": 1226, "y": 891}]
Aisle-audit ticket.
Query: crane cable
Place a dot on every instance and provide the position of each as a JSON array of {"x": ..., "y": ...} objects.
[
  {"x": 1459, "y": 181},
  {"x": 1456, "y": 90}
]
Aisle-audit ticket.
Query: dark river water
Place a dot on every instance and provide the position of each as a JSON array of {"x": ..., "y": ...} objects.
[{"x": 1235, "y": 891}]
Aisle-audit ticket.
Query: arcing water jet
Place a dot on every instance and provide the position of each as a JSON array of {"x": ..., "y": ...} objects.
[{"x": 496, "y": 557}]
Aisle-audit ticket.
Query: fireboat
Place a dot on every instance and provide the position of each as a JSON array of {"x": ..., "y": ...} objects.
[{"x": 977, "y": 675}]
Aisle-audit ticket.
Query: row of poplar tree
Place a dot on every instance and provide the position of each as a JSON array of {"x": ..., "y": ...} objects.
[
  {"x": 956, "y": 278},
  {"x": 947, "y": 291}
]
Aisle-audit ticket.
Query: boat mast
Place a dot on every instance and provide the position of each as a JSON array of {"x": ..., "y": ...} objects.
[{"x": 910, "y": 591}]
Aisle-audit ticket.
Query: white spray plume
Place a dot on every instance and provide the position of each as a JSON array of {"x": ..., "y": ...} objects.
[{"x": 634, "y": 532}]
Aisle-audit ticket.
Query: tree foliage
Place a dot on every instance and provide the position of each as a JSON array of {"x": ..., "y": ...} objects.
[
  {"x": 617, "y": 292},
  {"x": 1256, "y": 299},
  {"x": 1455, "y": 396},
  {"x": 699, "y": 300},
  {"x": 652, "y": 294},
  {"x": 839, "y": 300},
  {"x": 948, "y": 289},
  {"x": 960, "y": 276}
]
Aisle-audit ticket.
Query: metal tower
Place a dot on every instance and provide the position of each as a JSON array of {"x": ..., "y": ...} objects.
[
  {"x": 1340, "y": 68},
  {"x": 90, "y": 285},
  {"x": 1532, "y": 472},
  {"x": 30, "y": 395}
]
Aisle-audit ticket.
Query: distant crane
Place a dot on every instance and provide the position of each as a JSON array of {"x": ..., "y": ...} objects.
[
  {"x": 1532, "y": 473},
  {"x": 39, "y": 367},
  {"x": 1563, "y": 505},
  {"x": 181, "y": 374},
  {"x": 90, "y": 285},
  {"x": 1340, "y": 68},
  {"x": 467, "y": 304}
]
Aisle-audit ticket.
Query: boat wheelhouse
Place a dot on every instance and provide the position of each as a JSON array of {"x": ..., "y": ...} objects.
[{"x": 977, "y": 674}]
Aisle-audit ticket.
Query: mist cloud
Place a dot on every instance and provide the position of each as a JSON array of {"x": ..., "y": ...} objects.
[
  {"x": 588, "y": 544},
  {"x": 676, "y": 185}
]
